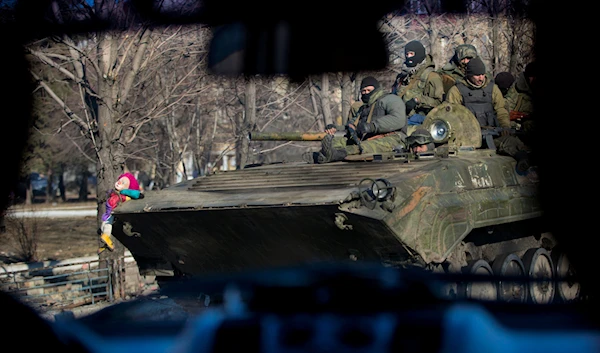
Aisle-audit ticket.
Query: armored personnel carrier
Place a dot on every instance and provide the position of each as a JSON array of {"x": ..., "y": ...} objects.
[{"x": 459, "y": 208}]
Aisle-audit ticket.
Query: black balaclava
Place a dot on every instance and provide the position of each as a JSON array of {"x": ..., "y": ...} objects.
[
  {"x": 419, "y": 50},
  {"x": 504, "y": 80},
  {"x": 368, "y": 81},
  {"x": 475, "y": 67}
]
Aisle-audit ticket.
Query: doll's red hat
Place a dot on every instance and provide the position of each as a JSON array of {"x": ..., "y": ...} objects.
[{"x": 133, "y": 183}]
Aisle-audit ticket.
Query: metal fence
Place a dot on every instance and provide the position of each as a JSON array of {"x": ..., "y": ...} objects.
[{"x": 60, "y": 284}]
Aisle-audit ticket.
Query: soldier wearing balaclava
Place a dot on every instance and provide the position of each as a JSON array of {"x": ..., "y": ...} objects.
[
  {"x": 378, "y": 126},
  {"x": 366, "y": 82},
  {"x": 420, "y": 87},
  {"x": 414, "y": 52}
]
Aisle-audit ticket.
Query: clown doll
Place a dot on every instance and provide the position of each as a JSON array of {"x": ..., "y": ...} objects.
[{"x": 126, "y": 188}]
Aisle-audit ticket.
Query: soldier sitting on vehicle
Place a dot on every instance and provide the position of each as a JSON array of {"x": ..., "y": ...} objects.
[
  {"x": 504, "y": 80},
  {"x": 420, "y": 87},
  {"x": 454, "y": 70},
  {"x": 483, "y": 98},
  {"x": 379, "y": 125},
  {"x": 519, "y": 100},
  {"x": 519, "y": 95}
]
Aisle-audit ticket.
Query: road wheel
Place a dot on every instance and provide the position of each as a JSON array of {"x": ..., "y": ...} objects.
[
  {"x": 484, "y": 290},
  {"x": 540, "y": 270},
  {"x": 510, "y": 265},
  {"x": 568, "y": 289}
]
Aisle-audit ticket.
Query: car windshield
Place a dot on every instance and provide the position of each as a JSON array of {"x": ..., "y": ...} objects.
[{"x": 188, "y": 142}]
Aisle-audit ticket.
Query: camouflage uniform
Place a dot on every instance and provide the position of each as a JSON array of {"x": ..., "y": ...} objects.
[
  {"x": 426, "y": 86},
  {"x": 375, "y": 145},
  {"x": 518, "y": 97},
  {"x": 519, "y": 102},
  {"x": 387, "y": 112}
]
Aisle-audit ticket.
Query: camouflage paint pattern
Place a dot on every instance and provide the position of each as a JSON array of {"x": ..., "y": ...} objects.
[
  {"x": 438, "y": 206},
  {"x": 464, "y": 130}
]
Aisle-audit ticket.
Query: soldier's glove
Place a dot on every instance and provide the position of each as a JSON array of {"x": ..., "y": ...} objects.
[
  {"x": 401, "y": 76},
  {"x": 364, "y": 128},
  {"x": 330, "y": 126},
  {"x": 399, "y": 81},
  {"x": 410, "y": 105}
]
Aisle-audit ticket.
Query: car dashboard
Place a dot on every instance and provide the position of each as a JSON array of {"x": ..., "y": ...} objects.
[{"x": 329, "y": 309}]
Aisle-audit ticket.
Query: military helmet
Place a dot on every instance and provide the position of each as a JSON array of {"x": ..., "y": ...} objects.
[
  {"x": 465, "y": 51},
  {"x": 419, "y": 137}
]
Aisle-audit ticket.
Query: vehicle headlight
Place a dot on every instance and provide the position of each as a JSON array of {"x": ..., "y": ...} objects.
[
  {"x": 381, "y": 189},
  {"x": 372, "y": 192},
  {"x": 440, "y": 131}
]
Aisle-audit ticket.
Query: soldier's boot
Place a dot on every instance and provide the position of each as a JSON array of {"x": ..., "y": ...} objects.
[
  {"x": 523, "y": 163},
  {"x": 328, "y": 153},
  {"x": 108, "y": 243}
]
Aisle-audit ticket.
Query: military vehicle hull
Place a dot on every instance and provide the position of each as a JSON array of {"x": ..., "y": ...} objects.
[
  {"x": 191, "y": 242},
  {"x": 459, "y": 209},
  {"x": 293, "y": 213}
]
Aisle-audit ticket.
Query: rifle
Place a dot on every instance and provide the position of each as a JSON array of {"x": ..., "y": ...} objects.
[
  {"x": 488, "y": 133},
  {"x": 400, "y": 78},
  {"x": 354, "y": 136}
]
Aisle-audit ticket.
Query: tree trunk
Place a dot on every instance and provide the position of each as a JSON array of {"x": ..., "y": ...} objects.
[
  {"x": 313, "y": 99},
  {"x": 61, "y": 187},
  {"x": 198, "y": 148},
  {"x": 346, "y": 98},
  {"x": 356, "y": 91},
  {"x": 28, "y": 191},
  {"x": 495, "y": 48},
  {"x": 325, "y": 101},
  {"x": 111, "y": 164},
  {"x": 435, "y": 49},
  {"x": 176, "y": 151},
  {"x": 83, "y": 186},
  {"x": 49, "y": 188},
  {"x": 247, "y": 123}
]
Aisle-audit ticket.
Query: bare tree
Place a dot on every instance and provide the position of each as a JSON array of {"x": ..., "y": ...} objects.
[{"x": 114, "y": 71}]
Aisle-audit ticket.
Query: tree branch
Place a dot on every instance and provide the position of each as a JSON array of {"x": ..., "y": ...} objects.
[
  {"x": 60, "y": 102},
  {"x": 125, "y": 53},
  {"x": 85, "y": 155},
  {"x": 141, "y": 50},
  {"x": 79, "y": 80},
  {"x": 46, "y": 60}
]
